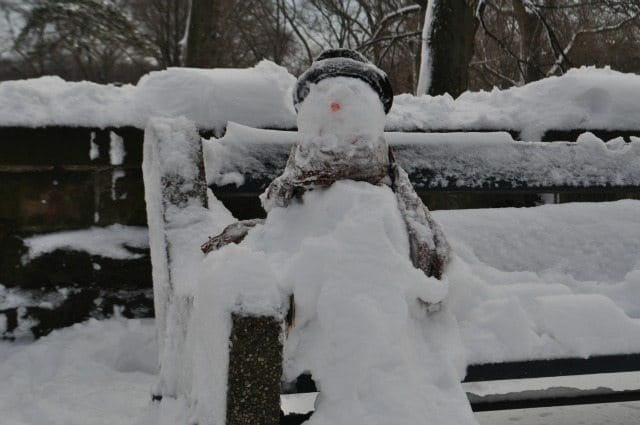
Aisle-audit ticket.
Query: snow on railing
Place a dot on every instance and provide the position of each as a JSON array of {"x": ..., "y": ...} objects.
[
  {"x": 585, "y": 99},
  {"x": 246, "y": 160}
]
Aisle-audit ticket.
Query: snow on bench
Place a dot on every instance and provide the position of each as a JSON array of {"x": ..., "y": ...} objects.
[
  {"x": 247, "y": 159},
  {"x": 178, "y": 214},
  {"x": 180, "y": 217},
  {"x": 599, "y": 100}
]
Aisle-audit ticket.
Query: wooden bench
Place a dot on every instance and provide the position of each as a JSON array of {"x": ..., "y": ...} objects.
[{"x": 445, "y": 165}]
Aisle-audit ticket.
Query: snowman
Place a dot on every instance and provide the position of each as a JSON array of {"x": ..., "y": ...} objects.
[
  {"x": 349, "y": 238},
  {"x": 341, "y": 101}
]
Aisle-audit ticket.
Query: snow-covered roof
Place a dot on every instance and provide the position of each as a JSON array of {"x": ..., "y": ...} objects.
[{"x": 584, "y": 98}]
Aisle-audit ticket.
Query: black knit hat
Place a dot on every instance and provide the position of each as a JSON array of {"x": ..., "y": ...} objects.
[{"x": 344, "y": 63}]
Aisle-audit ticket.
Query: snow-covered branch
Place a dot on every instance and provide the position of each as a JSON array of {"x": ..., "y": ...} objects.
[{"x": 426, "y": 62}]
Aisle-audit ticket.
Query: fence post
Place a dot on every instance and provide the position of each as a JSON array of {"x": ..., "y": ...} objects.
[{"x": 255, "y": 370}]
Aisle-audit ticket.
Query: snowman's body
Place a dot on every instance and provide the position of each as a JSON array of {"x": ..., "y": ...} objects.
[{"x": 361, "y": 329}]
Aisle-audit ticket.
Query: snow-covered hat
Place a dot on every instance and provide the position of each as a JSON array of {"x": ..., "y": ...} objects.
[{"x": 344, "y": 63}]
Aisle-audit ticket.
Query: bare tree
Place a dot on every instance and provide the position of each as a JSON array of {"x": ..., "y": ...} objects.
[
  {"x": 448, "y": 35},
  {"x": 525, "y": 40},
  {"x": 235, "y": 33},
  {"x": 386, "y": 31},
  {"x": 95, "y": 36},
  {"x": 163, "y": 24}
]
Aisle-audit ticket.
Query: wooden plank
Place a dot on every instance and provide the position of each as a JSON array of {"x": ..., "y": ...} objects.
[
  {"x": 59, "y": 145},
  {"x": 554, "y": 367},
  {"x": 569, "y": 400}
]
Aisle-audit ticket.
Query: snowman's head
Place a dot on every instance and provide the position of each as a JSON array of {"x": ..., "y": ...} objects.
[
  {"x": 343, "y": 63},
  {"x": 342, "y": 96},
  {"x": 341, "y": 109}
]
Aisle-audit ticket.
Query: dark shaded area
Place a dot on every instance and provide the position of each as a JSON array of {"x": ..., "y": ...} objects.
[
  {"x": 56, "y": 145},
  {"x": 556, "y": 367},
  {"x": 255, "y": 370},
  {"x": 37, "y": 201},
  {"x": 62, "y": 268},
  {"x": 294, "y": 418},
  {"x": 87, "y": 286},
  {"x": 613, "y": 397},
  {"x": 78, "y": 306},
  {"x": 48, "y": 183},
  {"x": 572, "y": 135},
  {"x": 452, "y": 43},
  {"x": 245, "y": 206}
]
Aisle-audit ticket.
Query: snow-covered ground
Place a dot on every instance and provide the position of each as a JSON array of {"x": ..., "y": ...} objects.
[
  {"x": 101, "y": 373},
  {"x": 98, "y": 372},
  {"x": 584, "y": 98},
  {"x": 549, "y": 281}
]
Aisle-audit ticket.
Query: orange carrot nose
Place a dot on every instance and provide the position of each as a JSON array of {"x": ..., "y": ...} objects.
[{"x": 335, "y": 106}]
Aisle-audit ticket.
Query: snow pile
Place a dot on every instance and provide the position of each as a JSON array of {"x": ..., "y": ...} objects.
[
  {"x": 583, "y": 98},
  {"x": 258, "y": 96},
  {"x": 363, "y": 327},
  {"x": 112, "y": 242},
  {"x": 546, "y": 282},
  {"x": 94, "y": 373},
  {"x": 49, "y": 101},
  {"x": 376, "y": 354}
]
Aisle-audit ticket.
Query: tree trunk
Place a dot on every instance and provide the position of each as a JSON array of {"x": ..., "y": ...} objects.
[
  {"x": 201, "y": 34},
  {"x": 530, "y": 43},
  {"x": 447, "y": 46}
]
